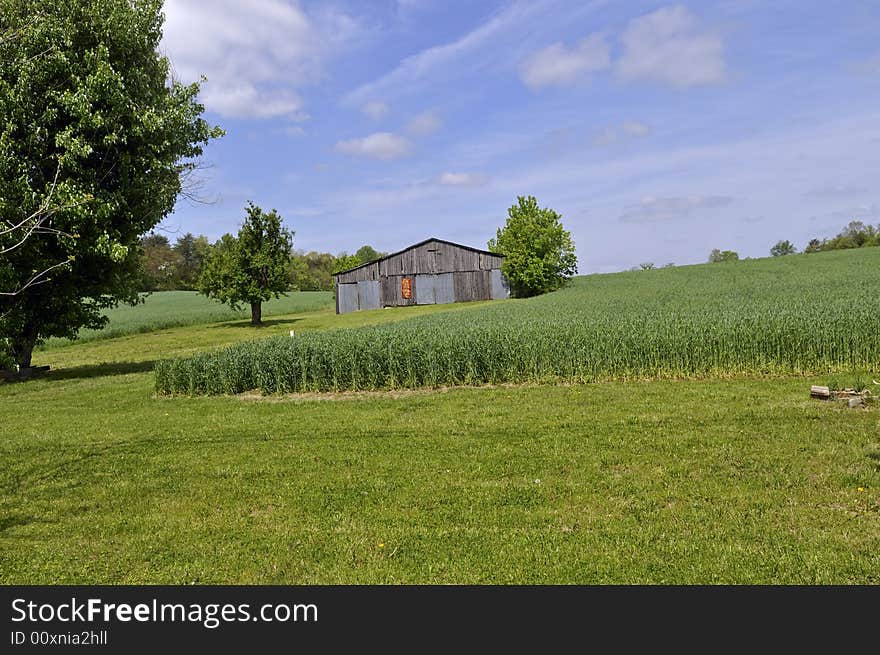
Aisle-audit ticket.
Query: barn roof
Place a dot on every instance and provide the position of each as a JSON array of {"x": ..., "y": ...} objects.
[{"x": 416, "y": 245}]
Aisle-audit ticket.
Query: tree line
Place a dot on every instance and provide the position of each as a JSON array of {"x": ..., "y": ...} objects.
[{"x": 164, "y": 265}]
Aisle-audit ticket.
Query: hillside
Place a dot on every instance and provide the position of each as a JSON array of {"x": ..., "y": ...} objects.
[
  {"x": 789, "y": 315},
  {"x": 167, "y": 309}
]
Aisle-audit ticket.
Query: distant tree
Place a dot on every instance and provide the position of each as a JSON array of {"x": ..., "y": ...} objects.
[
  {"x": 647, "y": 266},
  {"x": 669, "y": 265},
  {"x": 159, "y": 263},
  {"x": 191, "y": 252},
  {"x": 96, "y": 143},
  {"x": 783, "y": 248},
  {"x": 717, "y": 256},
  {"x": 856, "y": 234},
  {"x": 344, "y": 261},
  {"x": 859, "y": 233},
  {"x": 312, "y": 271},
  {"x": 250, "y": 268},
  {"x": 539, "y": 253},
  {"x": 367, "y": 254},
  {"x": 815, "y": 245}
]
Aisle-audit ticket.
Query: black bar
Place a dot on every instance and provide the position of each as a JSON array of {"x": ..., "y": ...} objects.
[{"x": 416, "y": 618}]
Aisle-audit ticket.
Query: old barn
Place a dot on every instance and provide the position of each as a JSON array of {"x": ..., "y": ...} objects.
[{"x": 431, "y": 272}]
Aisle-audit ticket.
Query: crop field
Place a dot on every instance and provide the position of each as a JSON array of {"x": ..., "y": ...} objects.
[
  {"x": 792, "y": 315},
  {"x": 166, "y": 309},
  {"x": 734, "y": 478}
]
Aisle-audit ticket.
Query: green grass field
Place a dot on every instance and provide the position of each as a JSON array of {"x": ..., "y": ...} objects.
[
  {"x": 167, "y": 309},
  {"x": 792, "y": 315},
  {"x": 743, "y": 479}
]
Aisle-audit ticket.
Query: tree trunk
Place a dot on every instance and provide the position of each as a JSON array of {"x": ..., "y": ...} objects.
[
  {"x": 256, "y": 313},
  {"x": 22, "y": 346}
]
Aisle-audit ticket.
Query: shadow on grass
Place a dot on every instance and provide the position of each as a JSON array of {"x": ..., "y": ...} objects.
[
  {"x": 270, "y": 322},
  {"x": 99, "y": 370},
  {"x": 14, "y": 520}
]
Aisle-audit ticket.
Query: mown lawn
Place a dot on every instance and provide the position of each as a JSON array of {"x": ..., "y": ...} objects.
[
  {"x": 737, "y": 480},
  {"x": 678, "y": 482}
]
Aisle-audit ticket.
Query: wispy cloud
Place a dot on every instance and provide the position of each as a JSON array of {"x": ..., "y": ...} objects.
[
  {"x": 423, "y": 124},
  {"x": 463, "y": 179},
  {"x": 668, "y": 46},
  {"x": 380, "y": 145},
  {"x": 375, "y": 109},
  {"x": 256, "y": 55},
  {"x": 558, "y": 65},
  {"x": 412, "y": 71}
]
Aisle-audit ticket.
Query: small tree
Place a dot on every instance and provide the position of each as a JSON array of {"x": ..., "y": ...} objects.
[
  {"x": 815, "y": 245},
  {"x": 717, "y": 256},
  {"x": 538, "y": 252},
  {"x": 647, "y": 266},
  {"x": 251, "y": 268},
  {"x": 783, "y": 248}
]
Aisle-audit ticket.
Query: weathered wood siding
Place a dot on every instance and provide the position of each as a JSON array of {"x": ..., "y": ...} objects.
[
  {"x": 366, "y": 272},
  {"x": 392, "y": 292},
  {"x": 471, "y": 285},
  {"x": 440, "y": 272}
]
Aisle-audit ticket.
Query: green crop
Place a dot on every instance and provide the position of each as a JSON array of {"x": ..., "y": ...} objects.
[{"x": 788, "y": 315}]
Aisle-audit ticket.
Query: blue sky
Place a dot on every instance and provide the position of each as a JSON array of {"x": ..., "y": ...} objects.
[{"x": 659, "y": 131}]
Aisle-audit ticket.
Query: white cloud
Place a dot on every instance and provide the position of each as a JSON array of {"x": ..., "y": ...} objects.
[
  {"x": 380, "y": 145},
  {"x": 463, "y": 179},
  {"x": 255, "y": 54},
  {"x": 651, "y": 208},
  {"x": 667, "y": 46},
  {"x": 375, "y": 109},
  {"x": 557, "y": 65},
  {"x": 423, "y": 124},
  {"x": 293, "y": 130}
]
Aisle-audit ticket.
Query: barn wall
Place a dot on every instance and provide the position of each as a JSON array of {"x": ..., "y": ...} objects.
[
  {"x": 369, "y": 294},
  {"x": 435, "y": 289},
  {"x": 431, "y": 258},
  {"x": 471, "y": 285},
  {"x": 347, "y": 298},
  {"x": 498, "y": 287},
  {"x": 368, "y": 272},
  {"x": 440, "y": 273},
  {"x": 392, "y": 292}
]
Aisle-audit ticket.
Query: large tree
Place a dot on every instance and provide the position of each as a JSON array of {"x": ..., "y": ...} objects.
[
  {"x": 95, "y": 138},
  {"x": 539, "y": 253},
  {"x": 251, "y": 268}
]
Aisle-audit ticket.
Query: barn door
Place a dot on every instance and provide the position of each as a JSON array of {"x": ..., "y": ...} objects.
[
  {"x": 425, "y": 289},
  {"x": 498, "y": 287},
  {"x": 347, "y": 298},
  {"x": 444, "y": 288},
  {"x": 368, "y": 294}
]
